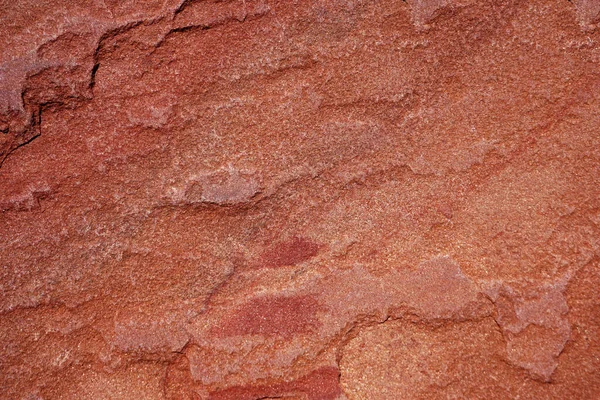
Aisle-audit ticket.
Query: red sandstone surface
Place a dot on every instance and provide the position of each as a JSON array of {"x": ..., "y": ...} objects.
[{"x": 317, "y": 200}]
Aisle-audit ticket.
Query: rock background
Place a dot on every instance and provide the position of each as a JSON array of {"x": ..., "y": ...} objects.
[{"x": 300, "y": 199}]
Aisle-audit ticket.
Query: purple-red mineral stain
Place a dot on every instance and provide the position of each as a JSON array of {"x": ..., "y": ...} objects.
[
  {"x": 272, "y": 316},
  {"x": 321, "y": 384},
  {"x": 290, "y": 252}
]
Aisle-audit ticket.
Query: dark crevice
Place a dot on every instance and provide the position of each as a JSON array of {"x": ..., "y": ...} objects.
[
  {"x": 188, "y": 28},
  {"x": 25, "y": 143},
  {"x": 182, "y": 6},
  {"x": 203, "y": 27},
  {"x": 34, "y": 129},
  {"x": 111, "y": 34},
  {"x": 93, "y": 75}
]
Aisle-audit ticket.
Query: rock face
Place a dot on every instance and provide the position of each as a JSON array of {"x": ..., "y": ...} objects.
[{"x": 312, "y": 200}]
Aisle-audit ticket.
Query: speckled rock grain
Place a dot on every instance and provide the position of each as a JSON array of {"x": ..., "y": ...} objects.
[{"x": 317, "y": 200}]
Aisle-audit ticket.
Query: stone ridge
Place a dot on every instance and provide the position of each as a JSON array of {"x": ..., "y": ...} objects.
[{"x": 255, "y": 199}]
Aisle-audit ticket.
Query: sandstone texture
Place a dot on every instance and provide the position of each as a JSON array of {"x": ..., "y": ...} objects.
[{"x": 312, "y": 200}]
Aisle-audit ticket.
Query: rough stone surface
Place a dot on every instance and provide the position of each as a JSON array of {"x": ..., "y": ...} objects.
[{"x": 318, "y": 200}]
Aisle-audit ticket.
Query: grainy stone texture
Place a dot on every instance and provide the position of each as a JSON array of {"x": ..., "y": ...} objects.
[{"x": 309, "y": 200}]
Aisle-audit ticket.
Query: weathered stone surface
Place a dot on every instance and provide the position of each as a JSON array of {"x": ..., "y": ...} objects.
[{"x": 315, "y": 200}]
